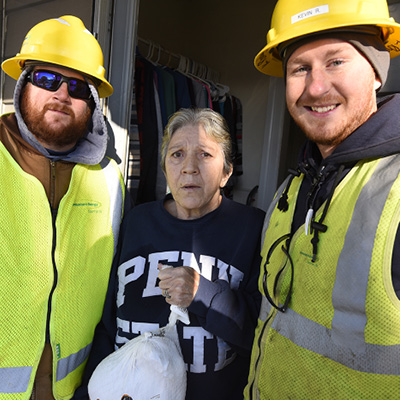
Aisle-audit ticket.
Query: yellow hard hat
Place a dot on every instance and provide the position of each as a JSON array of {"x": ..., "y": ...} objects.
[
  {"x": 65, "y": 42},
  {"x": 294, "y": 19}
]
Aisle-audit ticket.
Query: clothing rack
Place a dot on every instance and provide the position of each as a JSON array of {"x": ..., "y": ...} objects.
[
  {"x": 158, "y": 55},
  {"x": 164, "y": 83}
]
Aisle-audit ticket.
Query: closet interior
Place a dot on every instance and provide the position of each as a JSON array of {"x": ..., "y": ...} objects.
[{"x": 197, "y": 56}]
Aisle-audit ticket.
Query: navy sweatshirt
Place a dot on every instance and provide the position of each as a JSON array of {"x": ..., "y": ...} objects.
[{"x": 224, "y": 247}]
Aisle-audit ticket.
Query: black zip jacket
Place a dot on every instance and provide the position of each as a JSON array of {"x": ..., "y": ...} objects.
[{"x": 378, "y": 137}]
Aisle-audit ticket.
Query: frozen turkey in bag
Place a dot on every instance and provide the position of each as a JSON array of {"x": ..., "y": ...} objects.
[{"x": 148, "y": 367}]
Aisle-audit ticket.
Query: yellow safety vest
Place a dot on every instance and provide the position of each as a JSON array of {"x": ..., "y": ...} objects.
[
  {"x": 340, "y": 336},
  {"x": 86, "y": 233}
]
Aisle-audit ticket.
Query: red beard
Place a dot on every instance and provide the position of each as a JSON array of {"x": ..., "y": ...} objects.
[{"x": 67, "y": 135}]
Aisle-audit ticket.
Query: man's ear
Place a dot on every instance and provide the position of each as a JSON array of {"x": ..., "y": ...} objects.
[{"x": 377, "y": 83}]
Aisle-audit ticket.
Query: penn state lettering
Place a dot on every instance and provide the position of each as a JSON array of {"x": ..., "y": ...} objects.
[
  {"x": 224, "y": 248},
  {"x": 197, "y": 337},
  {"x": 133, "y": 269}
]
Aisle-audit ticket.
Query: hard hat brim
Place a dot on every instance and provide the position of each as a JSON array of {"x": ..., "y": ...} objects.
[{"x": 268, "y": 61}]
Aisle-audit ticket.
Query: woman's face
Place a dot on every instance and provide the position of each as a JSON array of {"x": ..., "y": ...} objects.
[{"x": 194, "y": 169}]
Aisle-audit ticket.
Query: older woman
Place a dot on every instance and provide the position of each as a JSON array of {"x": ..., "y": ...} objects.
[{"x": 213, "y": 245}]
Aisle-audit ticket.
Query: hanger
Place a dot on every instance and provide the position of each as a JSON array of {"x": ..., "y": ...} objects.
[
  {"x": 150, "y": 50},
  {"x": 187, "y": 67},
  {"x": 159, "y": 54}
]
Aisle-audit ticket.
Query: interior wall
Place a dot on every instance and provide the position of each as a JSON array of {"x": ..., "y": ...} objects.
[{"x": 225, "y": 36}]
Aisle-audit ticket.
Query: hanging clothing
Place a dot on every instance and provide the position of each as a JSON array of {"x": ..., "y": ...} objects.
[
  {"x": 159, "y": 93},
  {"x": 183, "y": 99},
  {"x": 238, "y": 123},
  {"x": 148, "y": 130}
]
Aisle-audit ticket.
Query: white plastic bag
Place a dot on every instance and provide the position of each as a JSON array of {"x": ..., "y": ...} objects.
[{"x": 149, "y": 367}]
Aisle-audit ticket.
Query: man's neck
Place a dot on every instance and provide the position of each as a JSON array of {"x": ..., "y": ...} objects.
[{"x": 326, "y": 150}]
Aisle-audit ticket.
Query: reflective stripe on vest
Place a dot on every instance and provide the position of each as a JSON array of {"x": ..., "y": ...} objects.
[
  {"x": 347, "y": 334},
  {"x": 315, "y": 334},
  {"x": 69, "y": 363},
  {"x": 344, "y": 292},
  {"x": 265, "y": 305},
  {"x": 95, "y": 189},
  {"x": 375, "y": 359},
  {"x": 372, "y": 358},
  {"x": 66, "y": 365},
  {"x": 272, "y": 206},
  {"x": 114, "y": 185},
  {"x": 14, "y": 379}
]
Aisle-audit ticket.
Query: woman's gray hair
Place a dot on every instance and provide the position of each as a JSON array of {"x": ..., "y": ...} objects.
[{"x": 213, "y": 123}]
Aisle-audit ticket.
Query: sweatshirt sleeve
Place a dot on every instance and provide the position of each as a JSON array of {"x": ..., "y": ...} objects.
[{"x": 227, "y": 313}]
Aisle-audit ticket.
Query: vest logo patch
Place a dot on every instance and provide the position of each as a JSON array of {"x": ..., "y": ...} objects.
[
  {"x": 92, "y": 206},
  {"x": 58, "y": 351}
]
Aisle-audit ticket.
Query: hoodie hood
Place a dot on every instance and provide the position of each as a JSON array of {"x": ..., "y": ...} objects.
[
  {"x": 90, "y": 149},
  {"x": 377, "y": 137}
]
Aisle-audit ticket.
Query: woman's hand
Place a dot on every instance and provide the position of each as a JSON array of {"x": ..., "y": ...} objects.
[{"x": 179, "y": 285}]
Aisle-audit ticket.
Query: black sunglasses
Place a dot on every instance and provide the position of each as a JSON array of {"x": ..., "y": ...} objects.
[
  {"x": 50, "y": 80},
  {"x": 285, "y": 248}
]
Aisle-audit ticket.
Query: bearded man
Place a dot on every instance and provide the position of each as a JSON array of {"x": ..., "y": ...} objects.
[{"x": 61, "y": 207}]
